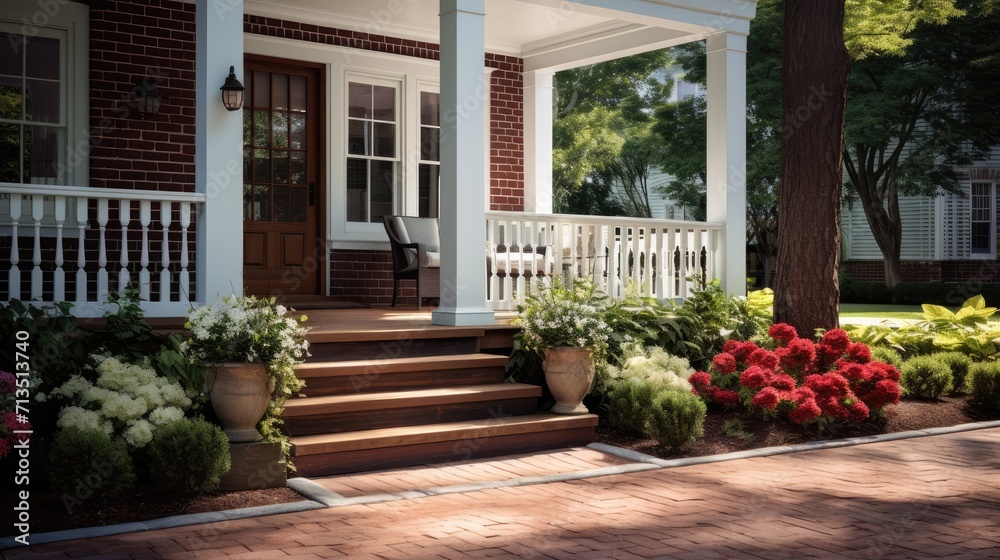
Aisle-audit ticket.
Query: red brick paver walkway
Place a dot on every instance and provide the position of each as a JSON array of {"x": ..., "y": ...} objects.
[{"x": 933, "y": 497}]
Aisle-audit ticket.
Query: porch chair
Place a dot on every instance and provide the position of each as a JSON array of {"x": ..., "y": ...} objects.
[{"x": 416, "y": 246}]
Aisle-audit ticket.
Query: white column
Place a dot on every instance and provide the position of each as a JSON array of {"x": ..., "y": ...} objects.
[
  {"x": 218, "y": 150},
  {"x": 727, "y": 126},
  {"x": 538, "y": 87},
  {"x": 463, "y": 167}
]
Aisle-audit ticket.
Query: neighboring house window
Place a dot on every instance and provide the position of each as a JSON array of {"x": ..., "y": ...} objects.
[
  {"x": 33, "y": 115},
  {"x": 983, "y": 219},
  {"x": 428, "y": 184},
  {"x": 373, "y": 150}
]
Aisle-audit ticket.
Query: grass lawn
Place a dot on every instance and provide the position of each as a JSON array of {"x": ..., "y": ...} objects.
[{"x": 881, "y": 311}]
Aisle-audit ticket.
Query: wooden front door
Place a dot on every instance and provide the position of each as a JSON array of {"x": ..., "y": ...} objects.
[{"x": 283, "y": 249}]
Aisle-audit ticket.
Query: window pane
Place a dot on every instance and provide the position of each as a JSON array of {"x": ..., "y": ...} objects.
[
  {"x": 281, "y": 213},
  {"x": 11, "y": 62},
  {"x": 247, "y": 164},
  {"x": 43, "y": 58},
  {"x": 298, "y": 93},
  {"x": 430, "y": 108},
  {"x": 262, "y": 203},
  {"x": 42, "y": 151},
  {"x": 357, "y": 190},
  {"x": 385, "y": 103},
  {"x": 42, "y": 102},
  {"x": 261, "y": 128},
  {"x": 262, "y": 89},
  {"x": 429, "y": 149},
  {"x": 279, "y": 129},
  {"x": 279, "y": 160},
  {"x": 385, "y": 140},
  {"x": 247, "y": 202},
  {"x": 297, "y": 204},
  {"x": 10, "y": 153},
  {"x": 359, "y": 101},
  {"x": 358, "y": 133},
  {"x": 10, "y": 98},
  {"x": 298, "y": 168},
  {"x": 427, "y": 190},
  {"x": 383, "y": 183},
  {"x": 247, "y": 127},
  {"x": 980, "y": 237},
  {"x": 297, "y": 134},
  {"x": 279, "y": 91},
  {"x": 262, "y": 166}
]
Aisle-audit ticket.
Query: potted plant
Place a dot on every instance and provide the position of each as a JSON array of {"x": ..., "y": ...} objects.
[
  {"x": 250, "y": 347},
  {"x": 566, "y": 324}
]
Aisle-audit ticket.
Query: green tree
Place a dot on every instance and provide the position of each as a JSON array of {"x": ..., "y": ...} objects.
[{"x": 912, "y": 118}]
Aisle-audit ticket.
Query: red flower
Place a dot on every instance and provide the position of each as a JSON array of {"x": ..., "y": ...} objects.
[
  {"x": 827, "y": 356},
  {"x": 798, "y": 354},
  {"x": 859, "y": 352},
  {"x": 855, "y": 373},
  {"x": 724, "y": 363},
  {"x": 836, "y": 340},
  {"x": 753, "y": 377},
  {"x": 739, "y": 349},
  {"x": 700, "y": 379},
  {"x": 807, "y": 411},
  {"x": 802, "y": 394},
  {"x": 782, "y": 332},
  {"x": 884, "y": 393},
  {"x": 781, "y": 381},
  {"x": 726, "y": 397},
  {"x": 859, "y": 411},
  {"x": 768, "y": 398},
  {"x": 763, "y": 358}
]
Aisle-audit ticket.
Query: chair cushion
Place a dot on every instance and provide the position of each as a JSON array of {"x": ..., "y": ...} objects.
[
  {"x": 432, "y": 259},
  {"x": 411, "y": 229}
]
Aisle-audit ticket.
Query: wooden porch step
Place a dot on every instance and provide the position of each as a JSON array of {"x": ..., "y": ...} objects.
[
  {"x": 343, "y": 413},
  {"x": 388, "y": 345},
  {"x": 326, "y": 454},
  {"x": 369, "y": 376}
]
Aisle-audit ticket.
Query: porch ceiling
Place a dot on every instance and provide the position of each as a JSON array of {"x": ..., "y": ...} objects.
[{"x": 547, "y": 34}]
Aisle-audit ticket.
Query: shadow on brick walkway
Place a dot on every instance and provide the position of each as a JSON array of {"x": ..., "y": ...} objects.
[{"x": 930, "y": 497}]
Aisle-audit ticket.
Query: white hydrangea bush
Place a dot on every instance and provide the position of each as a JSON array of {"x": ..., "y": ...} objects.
[
  {"x": 128, "y": 400},
  {"x": 655, "y": 364}
]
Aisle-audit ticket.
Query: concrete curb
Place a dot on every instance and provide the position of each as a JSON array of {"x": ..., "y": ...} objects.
[
  {"x": 319, "y": 497},
  {"x": 783, "y": 450}
]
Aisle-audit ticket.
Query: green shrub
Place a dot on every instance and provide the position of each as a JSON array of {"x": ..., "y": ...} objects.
[
  {"x": 959, "y": 364},
  {"x": 629, "y": 403},
  {"x": 887, "y": 355},
  {"x": 85, "y": 464},
  {"x": 677, "y": 418},
  {"x": 984, "y": 386},
  {"x": 925, "y": 377},
  {"x": 188, "y": 457},
  {"x": 853, "y": 291}
]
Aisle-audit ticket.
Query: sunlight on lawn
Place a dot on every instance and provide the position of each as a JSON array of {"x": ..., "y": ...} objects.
[{"x": 881, "y": 311}]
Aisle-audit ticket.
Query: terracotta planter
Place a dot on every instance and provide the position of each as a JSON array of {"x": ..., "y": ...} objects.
[
  {"x": 239, "y": 394},
  {"x": 569, "y": 373}
]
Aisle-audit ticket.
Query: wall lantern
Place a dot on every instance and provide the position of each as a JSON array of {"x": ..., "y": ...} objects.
[
  {"x": 147, "y": 96},
  {"x": 232, "y": 92}
]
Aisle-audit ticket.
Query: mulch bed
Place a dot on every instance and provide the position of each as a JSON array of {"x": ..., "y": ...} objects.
[{"x": 49, "y": 514}]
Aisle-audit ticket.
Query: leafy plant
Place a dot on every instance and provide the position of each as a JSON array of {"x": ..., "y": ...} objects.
[
  {"x": 629, "y": 404},
  {"x": 88, "y": 463},
  {"x": 887, "y": 355},
  {"x": 925, "y": 377},
  {"x": 189, "y": 457},
  {"x": 984, "y": 386},
  {"x": 677, "y": 418},
  {"x": 705, "y": 321},
  {"x": 559, "y": 315},
  {"x": 734, "y": 428},
  {"x": 959, "y": 364}
]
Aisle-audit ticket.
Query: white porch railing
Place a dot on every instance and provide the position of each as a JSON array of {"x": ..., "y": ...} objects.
[
  {"x": 78, "y": 244},
  {"x": 653, "y": 257}
]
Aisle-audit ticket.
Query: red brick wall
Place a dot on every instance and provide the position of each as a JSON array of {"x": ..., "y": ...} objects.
[
  {"x": 926, "y": 271},
  {"x": 366, "y": 276},
  {"x": 129, "y": 40}
]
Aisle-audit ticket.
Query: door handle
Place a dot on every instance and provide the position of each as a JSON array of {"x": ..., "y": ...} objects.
[{"x": 312, "y": 194}]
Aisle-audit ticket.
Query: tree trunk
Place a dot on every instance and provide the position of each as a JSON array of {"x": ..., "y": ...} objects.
[{"x": 815, "y": 66}]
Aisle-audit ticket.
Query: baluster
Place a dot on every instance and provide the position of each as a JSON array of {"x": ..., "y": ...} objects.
[
  {"x": 635, "y": 272},
  {"x": 659, "y": 284},
  {"x": 166, "y": 216},
  {"x": 712, "y": 237},
  {"x": 14, "y": 274},
  {"x": 81, "y": 258},
  {"x": 615, "y": 270},
  {"x": 59, "y": 277},
  {"x": 184, "y": 278},
  {"x": 124, "y": 217},
  {"x": 670, "y": 271},
  {"x": 684, "y": 270},
  {"x": 102, "y": 254},
  {"x": 145, "y": 215},
  {"x": 37, "y": 212},
  {"x": 600, "y": 258},
  {"x": 647, "y": 261},
  {"x": 491, "y": 287}
]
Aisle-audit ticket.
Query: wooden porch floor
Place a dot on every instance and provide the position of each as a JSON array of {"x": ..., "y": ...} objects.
[{"x": 348, "y": 325}]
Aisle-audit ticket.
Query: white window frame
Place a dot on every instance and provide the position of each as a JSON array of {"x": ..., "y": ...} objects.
[
  {"x": 991, "y": 254},
  {"x": 70, "y": 23},
  {"x": 413, "y": 164},
  {"x": 398, "y": 197}
]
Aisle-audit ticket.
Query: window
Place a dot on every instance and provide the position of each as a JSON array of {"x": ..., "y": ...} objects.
[
  {"x": 428, "y": 184},
  {"x": 982, "y": 219},
  {"x": 33, "y": 119},
  {"x": 373, "y": 147}
]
